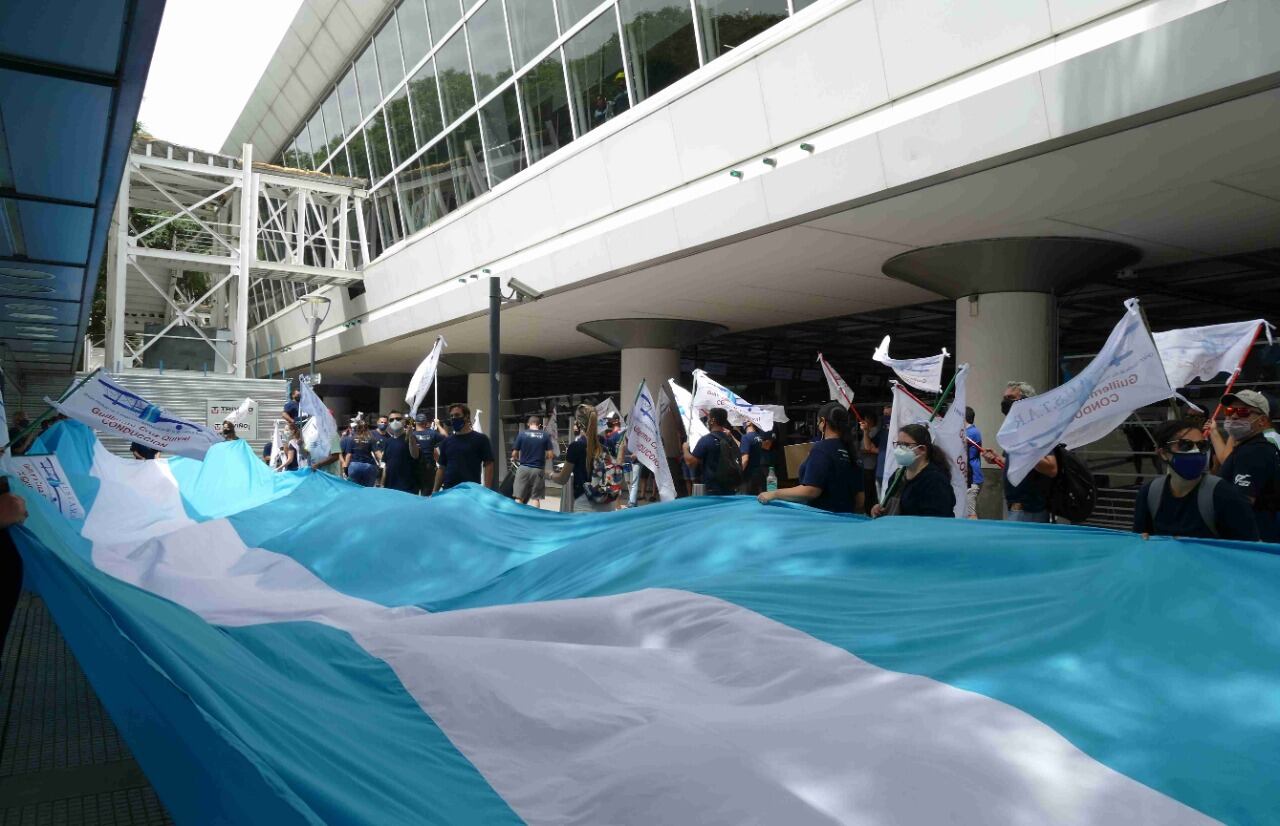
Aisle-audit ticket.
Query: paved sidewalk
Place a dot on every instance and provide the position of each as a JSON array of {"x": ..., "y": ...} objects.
[{"x": 62, "y": 761}]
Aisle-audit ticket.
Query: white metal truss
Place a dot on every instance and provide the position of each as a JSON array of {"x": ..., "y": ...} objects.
[{"x": 263, "y": 236}]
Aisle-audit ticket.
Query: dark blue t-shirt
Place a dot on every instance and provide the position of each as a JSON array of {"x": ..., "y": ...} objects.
[
  {"x": 1254, "y": 469},
  {"x": 427, "y": 441},
  {"x": 576, "y": 455},
  {"x": 399, "y": 465},
  {"x": 463, "y": 456},
  {"x": 1180, "y": 516},
  {"x": 1030, "y": 493},
  {"x": 361, "y": 451},
  {"x": 753, "y": 450},
  {"x": 975, "y": 455},
  {"x": 376, "y": 438},
  {"x": 831, "y": 468},
  {"x": 707, "y": 452},
  {"x": 533, "y": 446},
  {"x": 928, "y": 494},
  {"x": 291, "y": 407}
]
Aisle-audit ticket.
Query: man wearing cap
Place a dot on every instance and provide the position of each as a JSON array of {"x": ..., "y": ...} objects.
[{"x": 1252, "y": 462}]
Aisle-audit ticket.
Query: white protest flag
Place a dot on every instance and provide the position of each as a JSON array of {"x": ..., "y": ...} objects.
[
  {"x": 277, "y": 447},
  {"x": 1204, "y": 352},
  {"x": 1127, "y": 374},
  {"x": 709, "y": 393},
  {"x": 644, "y": 439},
  {"x": 45, "y": 476},
  {"x": 475, "y": 422},
  {"x": 109, "y": 408},
  {"x": 320, "y": 431},
  {"x": 423, "y": 377},
  {"x": 694, "y": 429},
  {"x": 604, "y": 410},
  {"x": 837, "y": 388},
  {"x": 242, "y": 413},
  {"x": 922, "y": 374},
  {"x": 947, "y": 433}
]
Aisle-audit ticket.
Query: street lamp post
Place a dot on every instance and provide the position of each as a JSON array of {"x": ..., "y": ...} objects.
[
  {"x": 495, "y": 357},
  {"x": 314, "y": 309}
]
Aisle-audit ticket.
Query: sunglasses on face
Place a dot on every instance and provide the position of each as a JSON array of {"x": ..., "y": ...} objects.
[
  {"x": 1187, "y": 446},
  {"x": 1239, "y": 412}
]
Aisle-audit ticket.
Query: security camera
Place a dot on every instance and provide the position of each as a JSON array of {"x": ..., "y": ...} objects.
[{"x": 523, "y": 291}]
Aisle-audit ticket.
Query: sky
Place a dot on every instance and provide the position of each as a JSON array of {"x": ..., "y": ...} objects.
[{"x": 208, "y": 59}]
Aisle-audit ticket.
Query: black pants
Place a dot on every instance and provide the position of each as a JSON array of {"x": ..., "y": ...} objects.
[{"x": 10, "y": 583}]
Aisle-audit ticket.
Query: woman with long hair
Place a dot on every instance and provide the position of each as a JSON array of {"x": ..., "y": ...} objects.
[
  {"x": 357, "y": 455},
  {"x": 925, "y": 485},
  {"x": 296, "y": 456},
  {"x": 580, "y": 460},
  {"x": 830, "y": 479}
]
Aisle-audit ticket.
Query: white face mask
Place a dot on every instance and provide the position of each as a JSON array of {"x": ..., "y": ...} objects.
[
  {"x": 396, "y": 426},
  {"x": 1238, "y": 428},
  {"x": 904, "y": 456}
]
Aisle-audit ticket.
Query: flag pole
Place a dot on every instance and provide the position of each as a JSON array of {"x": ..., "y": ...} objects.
[{"x": 45, "y": 414}]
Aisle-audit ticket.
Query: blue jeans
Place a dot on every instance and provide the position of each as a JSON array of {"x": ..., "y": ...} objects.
[
  {"x": 362, "y": 473},
  {"x": 1024, "y": 516}
]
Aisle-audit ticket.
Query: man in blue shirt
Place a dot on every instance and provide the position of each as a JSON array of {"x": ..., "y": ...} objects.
[
  {"x": 754, "y": 469},
  {"x": 532, "y": 450},
  {"x": 399, "y": 456},
  {"x": 291, "y": 407},
  {"x": 975, "y": 465},
  {"x": 464, "y": 453},
  {"x": 706, "y": 454}
]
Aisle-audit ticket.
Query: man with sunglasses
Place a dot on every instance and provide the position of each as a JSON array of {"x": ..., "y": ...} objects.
[
  {"x": 1187, "y": 502},
  {"x": 1253, "y": 463}
]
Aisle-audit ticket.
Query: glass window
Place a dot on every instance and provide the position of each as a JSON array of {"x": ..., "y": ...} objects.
[
  {"x": 375, "y": 134},
  {"x": 455, "y": 78},
  {"x": 400, "y": 125},
  {"x": 533, "y": 27},
  {"x": 319, "y": 146},
  {"x": 332, "y": 121},
  {"x": 503, "y": 144},
  {"x": 598, "y": 87},
  {"x": 546, "y": 108},
  {"x": 443, "y": 178},
  {"x": 727, "y": 24},
  {"x": 291, "y": 155},
  {"x": 303, "y": 144},
  {"x": 390, "y": 64},
  {"x": 415, "y": 40},
  {"x": 443, "y": 14},
  {"x": 571, "y": 11},
  {"x": 367, "y": 75},
  {"x": 356, "y": 154},
  {"x": 339, "y": 163},
  {"x": 350, "y": 102},
  {"x": 660, "y": 44},
  {"x": 426, "y": 103},
  {"x": 490, "y": 54}
]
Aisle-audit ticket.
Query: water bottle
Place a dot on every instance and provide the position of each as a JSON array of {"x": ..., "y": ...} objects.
[{"x": 771, "y": 481}]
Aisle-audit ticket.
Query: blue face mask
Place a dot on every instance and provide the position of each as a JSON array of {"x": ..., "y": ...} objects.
[
  {"x": 1189, "y": 465},
  {"x": 457, "y": 423}
]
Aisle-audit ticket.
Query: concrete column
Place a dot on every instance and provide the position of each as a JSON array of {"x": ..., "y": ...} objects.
[
  {"x": 1006, "y": 325},
  {"x": 650, "y": 351},
  {"x": 392, "y": 398}
]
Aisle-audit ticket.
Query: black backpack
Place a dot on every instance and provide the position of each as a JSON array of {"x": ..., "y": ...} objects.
[
  {"x": 728, "y": 467},
  {"x": 1073, "y": 493}
]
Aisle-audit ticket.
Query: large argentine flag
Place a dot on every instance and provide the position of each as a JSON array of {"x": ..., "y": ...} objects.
[{"x": 704, "y": 661}]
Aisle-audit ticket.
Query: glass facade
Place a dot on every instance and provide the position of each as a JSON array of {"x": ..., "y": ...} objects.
[{"x": 449, "y": 98}]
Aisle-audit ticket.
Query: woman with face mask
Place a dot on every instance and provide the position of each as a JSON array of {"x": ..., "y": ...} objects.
[
  {"x": 925, "y": 485},
  {"x": 1187, "y": 502},
  {"x": 830, "y": 479},
  {"x": 579, "y": 461}
]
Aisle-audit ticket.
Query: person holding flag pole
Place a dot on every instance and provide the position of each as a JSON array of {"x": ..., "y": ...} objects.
[{"x": 918, "y": 458}]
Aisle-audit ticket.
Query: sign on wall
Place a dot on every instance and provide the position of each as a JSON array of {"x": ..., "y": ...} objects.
[{"x": 219, "y": 410}]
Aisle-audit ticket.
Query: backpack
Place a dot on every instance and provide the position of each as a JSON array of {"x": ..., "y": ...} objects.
[
  {"x": 605, "y": 483},
  {"x": 1204, "y": 500},
  {"x": 729, "y": 467},
  {"x": 1073, "y": 493}
]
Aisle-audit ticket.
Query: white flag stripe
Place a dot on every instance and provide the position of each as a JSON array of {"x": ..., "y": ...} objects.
[
  {"x": 109, "y": 408},
  {"x": 709, "y": 393},
  {"x": 922, "y": 373},
  {"x": 1125, "y": 375},
  {"x": 423, "y": 377},
  {"x": 644, "y": 439},
  {"x": 837, "y": 388},
  {"x": 1205, "y": 352}
]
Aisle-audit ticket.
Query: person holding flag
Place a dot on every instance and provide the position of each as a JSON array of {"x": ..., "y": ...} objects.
[
  {"x": 1027, "y": 500},
  {"x": 1253, "y": 464},
  {"x": 830, "y": 479},
  {"x": 925, "y": 489}
]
